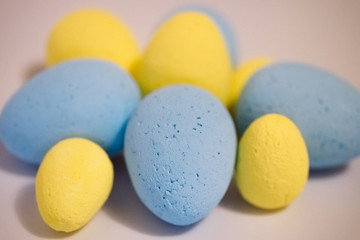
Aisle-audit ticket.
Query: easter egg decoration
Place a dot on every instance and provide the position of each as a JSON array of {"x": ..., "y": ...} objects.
[
  {"x": 273, "y": 164},
  {"x": 324, "y": 107},
  {"x": 92, "y": 33},
  {"x": 85, "y": 98},
  {"x": 180, "y": 147},
  {"x": 73, "y": 182},
  {"x": 189, "y": 48}
]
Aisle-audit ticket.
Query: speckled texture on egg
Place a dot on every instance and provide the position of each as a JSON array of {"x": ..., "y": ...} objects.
[
  {"x": 91, "y": 99},
  {"x": 273, "y": 163},
  {"x": 324, "y": 107},
  {"x": 180, "y": 147},
  {"x": 72, "y": 183}
]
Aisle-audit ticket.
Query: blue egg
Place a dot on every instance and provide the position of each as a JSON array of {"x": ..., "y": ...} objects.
[
  {"x": 223, "y": 25},
  {"x": 180, "y": 147},
  {"x": 324, "y": 107},
  {"x": 90, "y": 99}
]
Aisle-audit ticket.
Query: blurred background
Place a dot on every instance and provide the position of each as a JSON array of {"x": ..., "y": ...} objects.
[{"x": 324, "y": 33}]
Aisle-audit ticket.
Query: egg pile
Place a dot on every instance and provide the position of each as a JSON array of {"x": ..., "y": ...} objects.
[{"x": 180, "y": 143}]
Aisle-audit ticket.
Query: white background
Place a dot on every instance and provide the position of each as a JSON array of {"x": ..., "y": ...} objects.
[{"x": 325, "y": 33}]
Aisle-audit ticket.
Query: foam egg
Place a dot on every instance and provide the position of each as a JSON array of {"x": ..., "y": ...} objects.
[
  {"x": 241, "y": 76},
  {"x": 189, "y": 48},
  {"x": 272, "y": 165},
  {"x": 90, "y": 98},
  {"x": 223, "y": 25},
  {"x": 92, "y": 33},
  {"x": 73, "y": 182},
  {"x": 324, "y": 107},
  {"x": 180, "y": 147}
]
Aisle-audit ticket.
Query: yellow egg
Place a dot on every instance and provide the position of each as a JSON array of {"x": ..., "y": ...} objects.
[
  {"x": 92, "y": 33},
  {"x": 273, "y": 164},
  {"x": 73, "y": 182},
  {"x": 187, "y": 49},
  {"x": 241, "y": 75}
]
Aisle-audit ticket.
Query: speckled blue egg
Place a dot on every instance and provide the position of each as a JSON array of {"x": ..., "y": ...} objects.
[
  {"x": 324, "y": 107},
  {"x": 180, "y": 147},
  {"x": 90, "y": 99}
]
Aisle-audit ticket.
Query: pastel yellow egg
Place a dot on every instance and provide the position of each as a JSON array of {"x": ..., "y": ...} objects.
[
  {"x": 273, "y": 164},
  {"x": 241, "y": 75},
  {"x": 92, "y": 33},
  {"x": 187, "y": 49},
  {"x": 73, "y": 182}
]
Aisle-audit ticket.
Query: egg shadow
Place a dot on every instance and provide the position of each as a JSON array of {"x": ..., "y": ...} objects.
[
  {"x": 33, "y": 69},
  {"x": 331, "y": 172},
  {"x": 235, "y": 202},
  {"x": 125, "y": 207},
  {"x": 29, "y": 216},
  {"x": 10, "y": 163}
]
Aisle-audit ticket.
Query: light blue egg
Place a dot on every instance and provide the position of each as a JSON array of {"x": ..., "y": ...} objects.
[
  {"x": 324, "y": 107},
  {"x": 90, "y": 98},
  {"x": 180, "y": 147}
]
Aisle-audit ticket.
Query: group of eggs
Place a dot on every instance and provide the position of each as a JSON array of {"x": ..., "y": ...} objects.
[{"x": 179, "y": 141}]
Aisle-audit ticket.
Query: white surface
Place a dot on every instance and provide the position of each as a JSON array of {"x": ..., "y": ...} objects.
[{"x": 324, "y": 33}]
